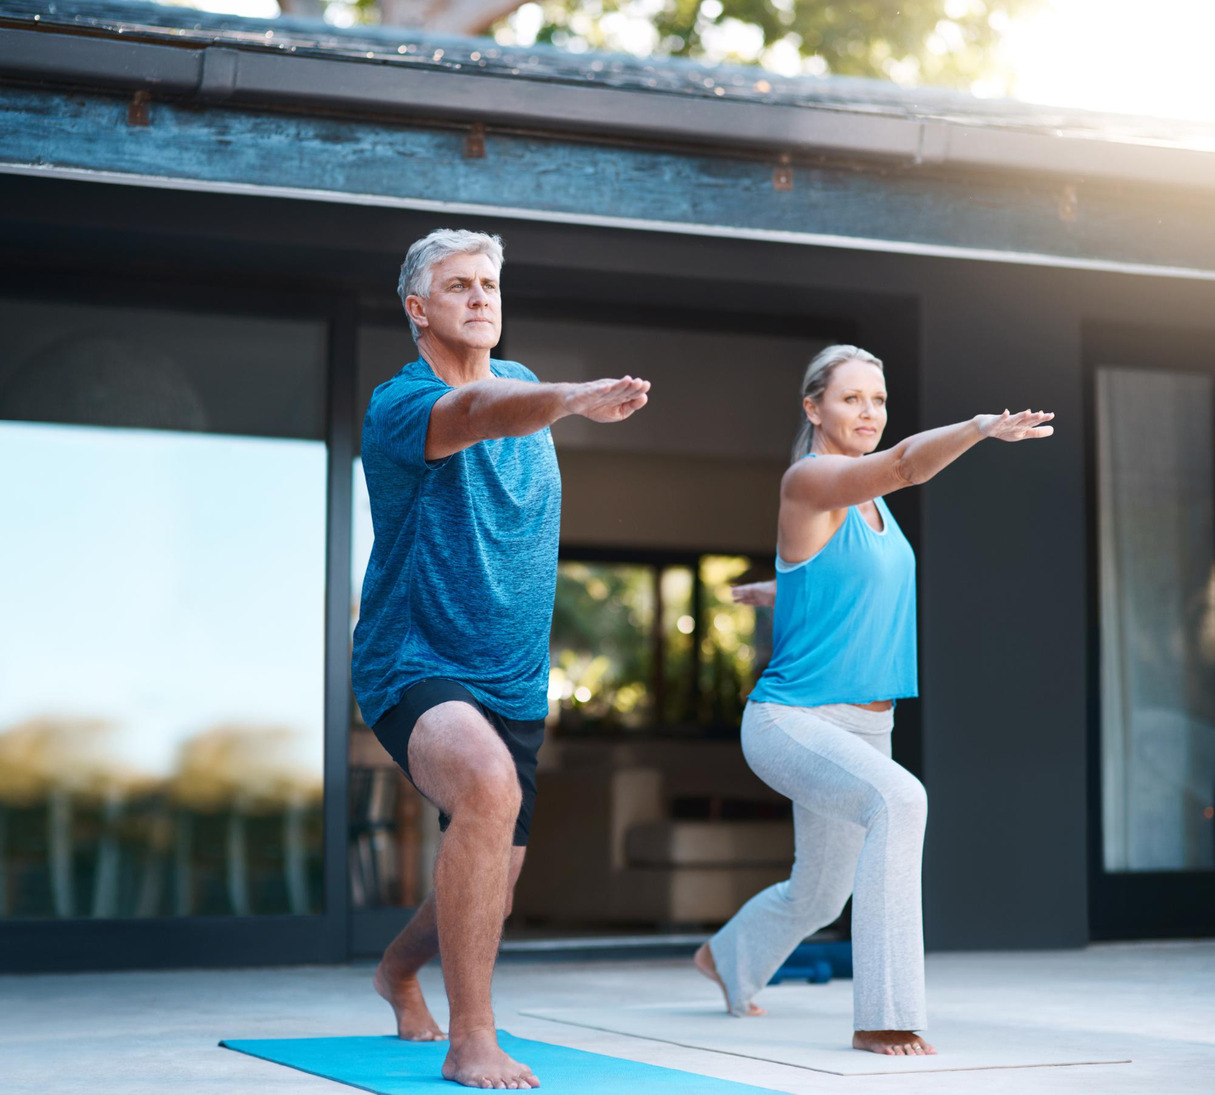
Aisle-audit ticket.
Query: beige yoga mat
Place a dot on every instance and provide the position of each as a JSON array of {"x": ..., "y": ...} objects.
[{"x": 799, "y": 1031}]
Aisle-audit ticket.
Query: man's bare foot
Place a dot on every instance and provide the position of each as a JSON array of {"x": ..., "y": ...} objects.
[
  {"x": 414, "y": 1021},
  {"x": 703, "y": 960},
  {"x": 893, "y": 1043},
  {"x": 476, "y": 1060}
]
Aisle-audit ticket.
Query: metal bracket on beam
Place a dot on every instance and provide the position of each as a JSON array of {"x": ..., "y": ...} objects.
[
  {"x": 137, "y": 109},
  {"x": 934, "y": 143},
  {"x": 474, "y": 143},
  {"x": 782, "y": 174},
  {"x": 1069, "y": 204},
  {"x": 217, "y": 80}
]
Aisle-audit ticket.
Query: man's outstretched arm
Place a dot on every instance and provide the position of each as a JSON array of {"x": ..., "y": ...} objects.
[{"x": 502, "y": 407}]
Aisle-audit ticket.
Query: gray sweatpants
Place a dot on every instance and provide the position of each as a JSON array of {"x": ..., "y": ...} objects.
[{"x": 859, "y": 829}]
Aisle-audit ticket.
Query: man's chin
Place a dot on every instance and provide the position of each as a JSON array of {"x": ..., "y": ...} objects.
[{"x": 474, "y": 340}]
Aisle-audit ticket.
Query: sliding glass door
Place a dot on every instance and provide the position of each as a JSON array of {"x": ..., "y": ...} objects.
[
  {"x": 163, "y": 565},
  {"x": 1155, "y": 493}
]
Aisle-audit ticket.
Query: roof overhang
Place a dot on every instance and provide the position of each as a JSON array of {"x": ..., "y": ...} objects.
[{"x": 103, "y": 107}]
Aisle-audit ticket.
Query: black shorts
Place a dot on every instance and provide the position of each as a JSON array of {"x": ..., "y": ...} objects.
[{"x": 522, "y": 737}]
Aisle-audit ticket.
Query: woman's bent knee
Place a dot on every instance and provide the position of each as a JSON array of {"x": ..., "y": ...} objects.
[{"x": 908, "y": 800}]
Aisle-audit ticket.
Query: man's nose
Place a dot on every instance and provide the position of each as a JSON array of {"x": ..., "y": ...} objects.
[{"x": 479, "y": 298}]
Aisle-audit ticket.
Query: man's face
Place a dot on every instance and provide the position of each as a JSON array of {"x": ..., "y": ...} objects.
[{"x": 464, "y": 308}]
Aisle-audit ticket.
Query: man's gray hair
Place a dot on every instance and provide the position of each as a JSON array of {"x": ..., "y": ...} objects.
[{"x": 418, "y": 268}]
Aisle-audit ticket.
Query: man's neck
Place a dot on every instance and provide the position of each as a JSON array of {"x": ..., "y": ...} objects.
[{"x": 456, "y": 365}]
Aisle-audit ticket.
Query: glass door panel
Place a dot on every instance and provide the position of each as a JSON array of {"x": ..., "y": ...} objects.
[
  {"x": 1156, "y": 502},
  {"x": 162, "y": 575}
]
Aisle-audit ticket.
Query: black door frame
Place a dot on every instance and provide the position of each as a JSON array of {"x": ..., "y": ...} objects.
[
  {"x": 1131, "y": 904},
  {"x": 78, "y": 944}
]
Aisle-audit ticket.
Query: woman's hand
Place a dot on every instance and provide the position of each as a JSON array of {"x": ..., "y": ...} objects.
[
  {"x": 760, "y": 594},
  {"x": 1015, "y": 427}
]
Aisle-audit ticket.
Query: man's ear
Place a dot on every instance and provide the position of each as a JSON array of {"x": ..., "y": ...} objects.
[{"x": 415, "y": 308}]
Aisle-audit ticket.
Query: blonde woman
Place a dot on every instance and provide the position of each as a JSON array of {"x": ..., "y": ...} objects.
[{"x": 817, "y": 726}]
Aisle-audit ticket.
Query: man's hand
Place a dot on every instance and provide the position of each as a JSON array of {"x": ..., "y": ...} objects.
[{"x": 607, "y": 400}]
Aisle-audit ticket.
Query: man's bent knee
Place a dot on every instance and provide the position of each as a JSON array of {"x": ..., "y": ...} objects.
[{"x": 491, "y": 795}]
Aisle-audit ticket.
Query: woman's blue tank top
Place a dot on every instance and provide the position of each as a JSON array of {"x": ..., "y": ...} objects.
[{"x": 844, "y": 625}]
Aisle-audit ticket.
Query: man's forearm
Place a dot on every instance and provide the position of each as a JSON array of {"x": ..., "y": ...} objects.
[{"x": 510, "y": 408}]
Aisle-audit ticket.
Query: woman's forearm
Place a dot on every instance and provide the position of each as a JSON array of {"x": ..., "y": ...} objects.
[{"x": 920, "y": 456}]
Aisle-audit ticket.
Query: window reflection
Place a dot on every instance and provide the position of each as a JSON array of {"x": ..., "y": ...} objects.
[
  {"x": 1157, "y": 527},
  {"x": 161, "y": 640},
  {"x": 640, "y": 646}
]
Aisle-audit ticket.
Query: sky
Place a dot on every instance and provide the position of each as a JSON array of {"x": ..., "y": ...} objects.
[
  {"x": 165, "y": 582},
  {"x": 1126, "y": 56}
]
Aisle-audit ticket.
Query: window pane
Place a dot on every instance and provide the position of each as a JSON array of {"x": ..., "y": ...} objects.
[
  {"x": 1156, "y": 478},
  {"x": 162, "y": 638},
  {"x": 727, "y": 648},
  {"x": 679, "y": 687},
  {"x": 602, "y": 674},
  {"x": 394, "y": 832}
]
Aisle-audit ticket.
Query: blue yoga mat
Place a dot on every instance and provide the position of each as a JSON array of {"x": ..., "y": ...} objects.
[{"x": 388, "y": 1066}]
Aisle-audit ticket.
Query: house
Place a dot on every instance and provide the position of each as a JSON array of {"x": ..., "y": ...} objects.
[{"x": 201, "y": 224}]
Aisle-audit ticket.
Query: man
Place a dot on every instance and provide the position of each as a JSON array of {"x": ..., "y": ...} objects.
[{"x": 451, "y": 651}]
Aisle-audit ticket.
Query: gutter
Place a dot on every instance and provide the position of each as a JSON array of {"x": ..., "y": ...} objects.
[{"x": 238, "y": 76}]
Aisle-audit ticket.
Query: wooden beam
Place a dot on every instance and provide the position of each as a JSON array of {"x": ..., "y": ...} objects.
[{"x": 979, "y": 215}]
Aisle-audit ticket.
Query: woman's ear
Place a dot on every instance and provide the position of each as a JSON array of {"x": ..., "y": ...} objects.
[{"x": 811, "y": 411}]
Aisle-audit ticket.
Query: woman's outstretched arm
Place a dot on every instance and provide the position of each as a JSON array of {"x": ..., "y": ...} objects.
[
  {"x": 836, "y": 482},
  {"x": 760, "y": 594}
]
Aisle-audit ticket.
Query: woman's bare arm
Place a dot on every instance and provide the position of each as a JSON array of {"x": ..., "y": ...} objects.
[
  {"x": 833, "y": 482},
  {"x": 760, "y": 594}
]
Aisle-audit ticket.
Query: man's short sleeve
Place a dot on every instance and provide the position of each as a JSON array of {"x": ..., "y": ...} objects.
[{"x": 400, "y": 416}]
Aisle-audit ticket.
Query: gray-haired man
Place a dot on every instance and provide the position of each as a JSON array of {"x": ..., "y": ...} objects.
[{"x": 451, "y": 651}]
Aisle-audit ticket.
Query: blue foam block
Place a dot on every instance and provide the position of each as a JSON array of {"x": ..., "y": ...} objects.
[
  {"x": 388, "y": 1066},
  {"x": 816, "y": 963}
]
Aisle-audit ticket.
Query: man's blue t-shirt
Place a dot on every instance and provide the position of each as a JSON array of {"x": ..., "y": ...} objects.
[{"x": 463, "y": 569}]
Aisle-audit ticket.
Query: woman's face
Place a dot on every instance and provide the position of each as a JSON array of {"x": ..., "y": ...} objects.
[{"x": 851, "y": 414}]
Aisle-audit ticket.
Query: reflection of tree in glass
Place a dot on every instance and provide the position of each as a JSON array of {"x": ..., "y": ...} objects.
[
  {"x": 602, "y": 657},
  {"x": 727, "y": 647}
]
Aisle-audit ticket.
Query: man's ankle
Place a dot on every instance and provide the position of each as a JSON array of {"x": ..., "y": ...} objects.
[{"x": 462, "y": 1032}]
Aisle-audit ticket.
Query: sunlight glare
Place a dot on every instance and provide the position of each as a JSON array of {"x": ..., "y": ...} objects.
[{"x": 1121, "y": 56}]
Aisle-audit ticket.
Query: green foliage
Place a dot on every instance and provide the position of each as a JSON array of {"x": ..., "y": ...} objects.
[
  {"x": 617, "y": 665},
  {"x": 941, "y": 42}
]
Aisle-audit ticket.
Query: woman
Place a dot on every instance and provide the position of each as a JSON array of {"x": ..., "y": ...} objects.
[{"x": 817, "y": 726}]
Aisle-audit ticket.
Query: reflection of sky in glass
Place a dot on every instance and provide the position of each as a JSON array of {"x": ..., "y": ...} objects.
[
  {"x": 165, "y": 581},
  {"x": 362, "y": 536}
]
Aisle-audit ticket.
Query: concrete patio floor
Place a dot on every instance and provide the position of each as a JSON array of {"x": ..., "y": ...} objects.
[{"x": 156, "y": 1033}]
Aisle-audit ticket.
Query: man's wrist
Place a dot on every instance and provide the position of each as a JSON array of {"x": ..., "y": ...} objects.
[{"x": 565, "y": 393}]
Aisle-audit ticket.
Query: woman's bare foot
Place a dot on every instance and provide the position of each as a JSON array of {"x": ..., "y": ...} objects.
[
  {"x": 893, "y": 1043},
  {"x": 703, "y": 960},
  {"x": 414, "y": 1021},
  {"x": 476, "y": 1060}
]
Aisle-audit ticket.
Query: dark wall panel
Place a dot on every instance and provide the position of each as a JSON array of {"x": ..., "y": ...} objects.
[{"x": 1002, "y": 618}]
